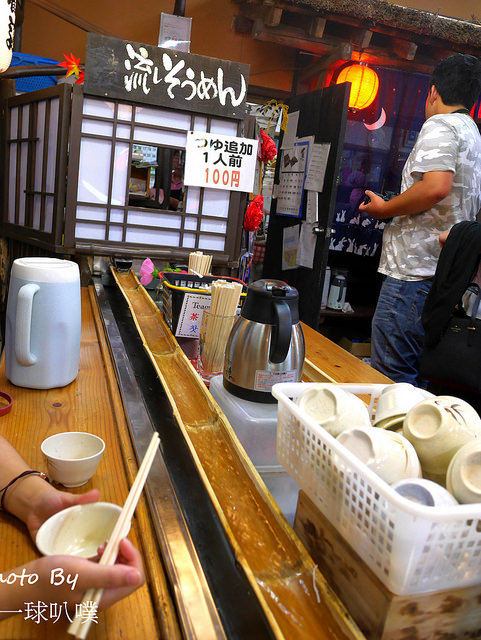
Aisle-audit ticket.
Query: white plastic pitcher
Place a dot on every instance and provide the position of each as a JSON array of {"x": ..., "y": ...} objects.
[{"x": 42, "y": 336}]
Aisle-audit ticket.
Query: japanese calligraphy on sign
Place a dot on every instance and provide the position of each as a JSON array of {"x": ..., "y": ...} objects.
[
  {"x": 220, "y": 162},
  {"x": 165, "y": 77}
]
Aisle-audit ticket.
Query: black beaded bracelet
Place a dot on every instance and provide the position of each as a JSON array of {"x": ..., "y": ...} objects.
[{"x": 29, "y": 472}]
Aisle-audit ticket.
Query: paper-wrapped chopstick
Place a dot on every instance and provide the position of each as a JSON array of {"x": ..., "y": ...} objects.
[
  {"x": 78, "y": 628},
  {"x": 224, "y": 300},
  {"x": 199, "y": 263}
]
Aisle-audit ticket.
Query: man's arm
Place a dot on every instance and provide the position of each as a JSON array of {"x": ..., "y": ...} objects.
[{"x": 434, "y": 187}]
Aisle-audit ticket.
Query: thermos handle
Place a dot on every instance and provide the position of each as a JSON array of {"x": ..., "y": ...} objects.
[
  {"x": 341, "y": 290},
  {"x": 281, "y": 334},
  {"x": 23, "y": 324}
]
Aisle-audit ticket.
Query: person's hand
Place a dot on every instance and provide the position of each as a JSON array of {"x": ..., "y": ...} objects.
[
  {"x": 49, "y": 501},
  {"x": 376, "y": 208},
  {"x": 58, "y": 574},
  {"x": 443, "y": 237}
]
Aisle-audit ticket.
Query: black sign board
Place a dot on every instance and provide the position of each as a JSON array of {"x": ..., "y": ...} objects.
[{"x": 165, "y": 77}]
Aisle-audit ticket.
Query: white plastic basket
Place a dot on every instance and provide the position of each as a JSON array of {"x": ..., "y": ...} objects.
[{"x": 410, "y": 547}]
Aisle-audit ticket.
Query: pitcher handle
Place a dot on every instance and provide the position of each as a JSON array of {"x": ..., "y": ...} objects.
[
  {"x": 23, "y": 324},
  {"x": 281, "y": 333}
]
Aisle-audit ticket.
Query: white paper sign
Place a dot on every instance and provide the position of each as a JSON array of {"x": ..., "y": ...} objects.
[
  {"x": 291, "y": 131},
  {"x": 290, "y": 241},
  {"x": 292, "y": 176},
  {"x": 311, "y": 206},
  {"x": 220, "y": 162},
  {"x": 306, "y": 246},
  {"x": 316, "y": 169},
  {"x": 174, "y": 32},
  {"x": 190, "y": 316}
]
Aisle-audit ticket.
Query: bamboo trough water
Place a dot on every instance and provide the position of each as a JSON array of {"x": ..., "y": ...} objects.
[{"x": 295, "y": 597}]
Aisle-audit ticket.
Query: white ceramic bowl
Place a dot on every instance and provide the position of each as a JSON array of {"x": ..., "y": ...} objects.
[
  {"x": 425, "y": 492},
  {"x": 387, "y": 453},
  {"x": 437, "y": 428},
  {"x": 463, "y": 478},
  {"x": 72, "y": 456},
  {"x": 333, "y": 408},
  {"x": 394, "y": 424},
  {"x": 79, "y": 530},
  {"x": 396, "y": 400}
]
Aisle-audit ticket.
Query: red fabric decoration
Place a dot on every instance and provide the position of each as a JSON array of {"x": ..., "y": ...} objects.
[
  {"x": 268, "y": 147},
  {"x": 254, "y": 214}
]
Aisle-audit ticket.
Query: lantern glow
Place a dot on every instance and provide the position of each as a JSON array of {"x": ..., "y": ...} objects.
[{"x": 364, "y": 84}]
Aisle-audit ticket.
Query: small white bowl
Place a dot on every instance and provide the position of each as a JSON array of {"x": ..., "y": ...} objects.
[
  {"x": 396, "y": 400},
  {"x": 387, "y": 453},
  {"x": 333, "y": 408},
  {"x": 79, "y": 530},
  {"x": 72, "y": 456},
  {"x": 425, "y": 492},
  {"x": 463, "y": 478}
]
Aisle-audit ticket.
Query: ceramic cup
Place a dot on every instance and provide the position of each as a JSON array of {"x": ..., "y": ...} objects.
[
  {"x": 72, "y": 457},
  {"x": 386, "y": 453},
  {"x": 425, "y": 492},
  {"x": 463, "y": 478},
  {"x": 396, "y": 400},
  {"x": 438, "y": 427},
  {"x": 333, "y": 408},
  {"x": 394, "y": 424},
  {"x": 79, "y": 530}
]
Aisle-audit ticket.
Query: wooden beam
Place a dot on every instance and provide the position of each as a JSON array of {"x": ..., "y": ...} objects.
[
  {"x": 316, "y": 27},
  {"x": 361, "y": 38},
  {"x": 272, "y": 16},
  {"x": 341, "y": 52},
  {"x": 242, "y": 24},
  {"x": 293, "y": 37},
  {"x": 384, "y": 58},
  {"x": 404, "y": 48},
  {"x": 71, "y": 17}
]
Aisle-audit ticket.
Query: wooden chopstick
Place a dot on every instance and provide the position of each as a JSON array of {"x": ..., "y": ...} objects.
[{"x": 109, "y": 556}]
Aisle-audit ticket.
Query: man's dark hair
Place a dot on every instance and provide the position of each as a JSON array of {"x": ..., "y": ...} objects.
[{"x": 458, "y": 79}]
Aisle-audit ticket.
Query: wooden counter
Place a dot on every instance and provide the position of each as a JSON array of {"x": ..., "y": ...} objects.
[
  {"x": 92, "y": 402},
  {"x": 336, "y": 362}
]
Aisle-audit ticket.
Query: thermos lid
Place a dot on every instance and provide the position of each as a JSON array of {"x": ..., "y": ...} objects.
[
  {"x": 45, "y": 270},
  {"x": 263, "y": 295}
]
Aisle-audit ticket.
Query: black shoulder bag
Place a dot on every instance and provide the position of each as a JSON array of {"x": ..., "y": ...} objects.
[{"x": 456, "y": 358}]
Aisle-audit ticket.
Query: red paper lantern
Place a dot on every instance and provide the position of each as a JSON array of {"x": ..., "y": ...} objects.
[{"x": 364, "y": 84}]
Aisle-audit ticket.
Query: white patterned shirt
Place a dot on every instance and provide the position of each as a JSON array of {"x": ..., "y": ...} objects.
[{"x": 446, "y": 142}]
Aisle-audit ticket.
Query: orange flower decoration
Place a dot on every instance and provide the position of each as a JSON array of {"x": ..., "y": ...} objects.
[{"x": 72, "y": 64}]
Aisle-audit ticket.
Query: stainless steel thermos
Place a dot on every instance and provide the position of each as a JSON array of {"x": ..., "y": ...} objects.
[{"x": 266, "y": 344}]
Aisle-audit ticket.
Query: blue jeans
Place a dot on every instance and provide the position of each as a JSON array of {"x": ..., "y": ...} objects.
[{"x": 397, "y": 332}]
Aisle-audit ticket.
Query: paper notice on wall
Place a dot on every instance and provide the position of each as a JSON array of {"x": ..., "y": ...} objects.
[
  {"x": 292, "y": 175},
  {"x": 291, "y": 131},
  {"x": 311, "y": 207},
  {"x": 290, "y": 241},
  {"x": 306, "y": 246},
  {"x": 316, "y": 168}
]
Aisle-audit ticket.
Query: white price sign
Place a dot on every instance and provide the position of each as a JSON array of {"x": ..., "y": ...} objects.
[{"x": 220, "y": 162}]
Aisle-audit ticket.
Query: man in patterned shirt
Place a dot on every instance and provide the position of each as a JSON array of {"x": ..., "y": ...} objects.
[{"x": 441, "y": 185}]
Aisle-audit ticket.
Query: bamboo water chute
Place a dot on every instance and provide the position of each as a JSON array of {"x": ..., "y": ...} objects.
[{"x": 294, "y": 597}]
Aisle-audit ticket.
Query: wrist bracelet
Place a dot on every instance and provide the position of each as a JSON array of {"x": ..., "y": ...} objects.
[
  {"x": 29, "y": 472},
  {"x": 6, "y": 407}
]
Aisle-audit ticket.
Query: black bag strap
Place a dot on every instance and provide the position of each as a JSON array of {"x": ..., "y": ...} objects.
[{"x": 477, "y": 302}]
